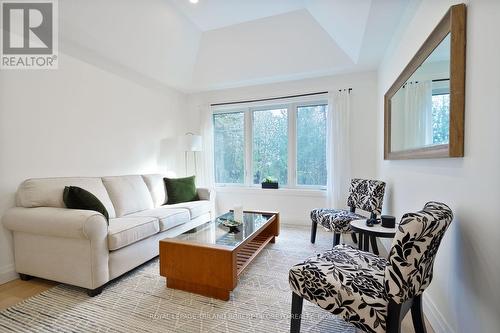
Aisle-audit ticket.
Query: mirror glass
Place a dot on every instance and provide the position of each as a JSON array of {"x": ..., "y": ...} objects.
[{"x": 420, "y": 109}]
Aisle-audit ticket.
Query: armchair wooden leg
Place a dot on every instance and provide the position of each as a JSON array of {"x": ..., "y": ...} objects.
[
  {"x": 296, "y": 315},
  {"x": 393, "y": 317},
  {"x": 417, "y": 315},
  {"x": 314, "y": 227}
]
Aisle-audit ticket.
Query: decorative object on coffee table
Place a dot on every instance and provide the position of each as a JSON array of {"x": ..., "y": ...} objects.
[
  {"x": 209, "y": 261},
  {"x": 270, "y": 182},
  {"x": 238, "y": 213},
  {"x": 228, "y": 220}
]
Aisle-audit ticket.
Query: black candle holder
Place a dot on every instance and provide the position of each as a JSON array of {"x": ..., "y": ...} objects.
[{"x": 388, "y": 221}]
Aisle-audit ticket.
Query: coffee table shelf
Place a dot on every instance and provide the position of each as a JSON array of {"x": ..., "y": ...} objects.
[{"x": 250, "y": 250}]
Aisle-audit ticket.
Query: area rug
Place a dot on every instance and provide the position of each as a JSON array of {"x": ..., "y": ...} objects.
[{"x": 140, "y": 302}]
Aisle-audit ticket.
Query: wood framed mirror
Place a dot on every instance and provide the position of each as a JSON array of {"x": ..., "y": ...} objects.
[{"x": 424, "y": 108}]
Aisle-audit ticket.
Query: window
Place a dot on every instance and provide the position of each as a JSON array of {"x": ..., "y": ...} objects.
[
  {"x": 286, "y": 142},
  {"x": 229, "y": 148},
  {"x": 440, "y": 118},
  {"x": 311, "y": 145},
  {"x": 270, "y": 145}
]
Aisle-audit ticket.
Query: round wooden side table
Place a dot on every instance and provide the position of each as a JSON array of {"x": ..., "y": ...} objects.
[{"x": 369, "y": 235}]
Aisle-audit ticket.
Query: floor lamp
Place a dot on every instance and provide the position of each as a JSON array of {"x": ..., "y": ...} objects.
[{"x": 190, "y": 142}]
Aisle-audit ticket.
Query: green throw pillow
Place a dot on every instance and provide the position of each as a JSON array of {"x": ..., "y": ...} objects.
[
  {"x": 180, "y": 190},
  {"x": 77, "y": 198}
]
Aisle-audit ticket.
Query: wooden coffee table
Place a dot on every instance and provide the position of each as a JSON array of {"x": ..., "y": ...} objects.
[{"x": 209, "y": 259}]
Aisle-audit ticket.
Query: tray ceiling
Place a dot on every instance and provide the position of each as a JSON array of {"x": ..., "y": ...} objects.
[{"x": 226, "y": 43}]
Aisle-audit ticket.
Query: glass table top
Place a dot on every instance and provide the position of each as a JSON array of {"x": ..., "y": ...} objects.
[{"x": 214, "y": 233}]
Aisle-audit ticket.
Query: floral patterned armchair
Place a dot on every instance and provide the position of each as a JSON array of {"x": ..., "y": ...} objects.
[
  {"x": 370, "y": 292},
  {"x": 365, "y": 194}
]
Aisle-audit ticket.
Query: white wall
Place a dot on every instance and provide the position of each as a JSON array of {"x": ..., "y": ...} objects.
[
  {"x": 464, "y": 295},
  {"x": 295, "y": 205},
  {"x": 80, "y": 120},
  {"x": 151, "y": 37}
]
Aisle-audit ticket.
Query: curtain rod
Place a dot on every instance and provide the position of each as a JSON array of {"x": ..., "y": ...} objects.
[
  {"x": 271, "y": 98},
  {"x": 435, "y": 80}
]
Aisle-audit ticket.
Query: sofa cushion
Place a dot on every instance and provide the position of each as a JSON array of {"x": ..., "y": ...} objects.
[
  {"x": 48, "y": 192},
  {"x": 124, "y": 231},
  {"x": 129, "y": 194},
  {"x": 169, "y": 217},
  {"x": 156, "y": 187},
  {"x": 196, "y": 208}
]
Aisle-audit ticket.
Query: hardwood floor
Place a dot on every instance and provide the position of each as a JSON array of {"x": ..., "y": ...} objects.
[{"x": 15, "y": 291}]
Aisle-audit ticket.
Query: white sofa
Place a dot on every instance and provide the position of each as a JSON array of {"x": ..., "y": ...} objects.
[{"x": 77, "y": 247}]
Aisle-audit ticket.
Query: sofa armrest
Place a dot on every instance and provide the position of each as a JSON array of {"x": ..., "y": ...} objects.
[
  {"x": 205, "y": 193},
  {"x": 58, "y": 222}
]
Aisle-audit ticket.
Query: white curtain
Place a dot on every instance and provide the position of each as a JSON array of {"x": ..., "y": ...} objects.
[
  {"x": 206, "y": 172},
  {"x": 418, "y": 114},
  {"x": 338, "y": 155}
]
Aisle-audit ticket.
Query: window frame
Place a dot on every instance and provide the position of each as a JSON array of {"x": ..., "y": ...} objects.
[
  {"x": 252, "y": 111},
  {"x": 230, "y": 111},
  {"x": 306, "y": 104},
  {"x": 292, "y": 109}
]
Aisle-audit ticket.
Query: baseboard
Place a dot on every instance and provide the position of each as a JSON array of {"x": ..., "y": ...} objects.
[
  {"x": 435, "y": 318},
  {"x": 7, "y": 273}
]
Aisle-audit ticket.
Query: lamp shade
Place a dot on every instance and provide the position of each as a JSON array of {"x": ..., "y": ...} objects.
[{"x": 190, "y": 142}]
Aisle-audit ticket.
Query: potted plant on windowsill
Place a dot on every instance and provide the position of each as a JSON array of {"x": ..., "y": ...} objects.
[{"x": 269, "y": 182}]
